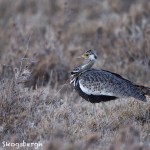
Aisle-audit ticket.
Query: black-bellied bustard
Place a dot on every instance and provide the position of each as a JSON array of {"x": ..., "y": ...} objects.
[{"x": 100, "y": 85}]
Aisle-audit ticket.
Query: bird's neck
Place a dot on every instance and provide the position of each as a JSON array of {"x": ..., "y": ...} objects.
[
  {"x": 83, "y": 68},
  {"x": 88, "y": 65}
]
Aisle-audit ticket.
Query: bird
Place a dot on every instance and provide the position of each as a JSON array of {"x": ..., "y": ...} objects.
[{"x": 97, "y": 86}]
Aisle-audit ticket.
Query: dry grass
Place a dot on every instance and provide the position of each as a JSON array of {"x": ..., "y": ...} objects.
[{"x": 39, "y": 43}]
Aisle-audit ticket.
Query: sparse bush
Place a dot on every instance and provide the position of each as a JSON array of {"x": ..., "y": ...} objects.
[{"x": 39, "y": 43}]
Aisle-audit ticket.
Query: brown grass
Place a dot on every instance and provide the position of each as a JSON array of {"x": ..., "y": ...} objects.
[{"x": 39, "y": 43}]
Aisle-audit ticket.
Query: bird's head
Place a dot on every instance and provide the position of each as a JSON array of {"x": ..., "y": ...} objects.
[{"x": 90, "y": 55}]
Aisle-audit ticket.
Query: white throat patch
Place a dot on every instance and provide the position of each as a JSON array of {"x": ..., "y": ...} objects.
[{"x": 92, "y": 57}]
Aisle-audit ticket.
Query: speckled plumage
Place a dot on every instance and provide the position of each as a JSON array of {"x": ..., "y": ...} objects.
[{"x": 101, "y": 85}]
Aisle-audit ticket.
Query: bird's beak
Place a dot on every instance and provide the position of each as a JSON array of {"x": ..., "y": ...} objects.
[{"x": 84, "y": 56}]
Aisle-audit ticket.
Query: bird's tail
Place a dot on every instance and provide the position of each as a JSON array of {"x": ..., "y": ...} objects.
[{"x": 144, "y": 89}]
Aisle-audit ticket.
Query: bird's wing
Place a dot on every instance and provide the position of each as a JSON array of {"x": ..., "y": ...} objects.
[
  {"x": 101, "y": 82},
  {"x": 119, "y": 76}
]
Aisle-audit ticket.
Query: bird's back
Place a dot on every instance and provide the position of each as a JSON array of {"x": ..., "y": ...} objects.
[{"x": 101, "y": 82}]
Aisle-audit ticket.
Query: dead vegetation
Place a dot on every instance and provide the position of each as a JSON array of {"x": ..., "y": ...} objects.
[{"x": 39, "y": 43}]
